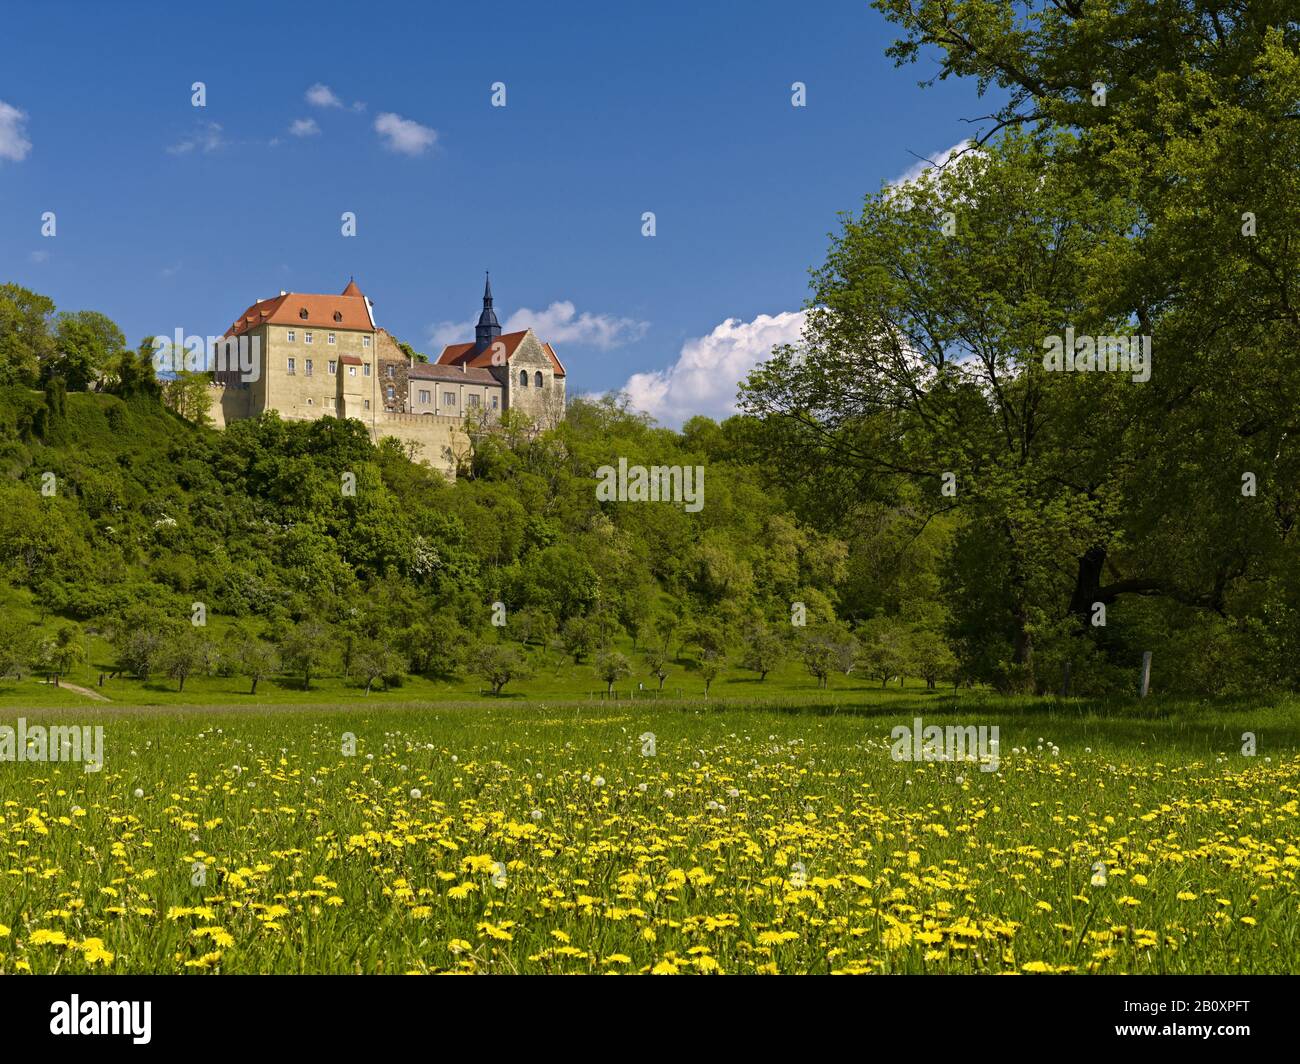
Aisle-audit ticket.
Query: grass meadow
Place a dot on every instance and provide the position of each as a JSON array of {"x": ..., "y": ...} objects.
[{"x": 750, "y": 835}]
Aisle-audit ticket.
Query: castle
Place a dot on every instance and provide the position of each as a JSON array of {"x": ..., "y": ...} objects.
[{"x": 324, "y": 356}]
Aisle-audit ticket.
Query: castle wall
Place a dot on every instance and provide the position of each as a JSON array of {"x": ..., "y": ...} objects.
[{"x": 545, "y": 405}]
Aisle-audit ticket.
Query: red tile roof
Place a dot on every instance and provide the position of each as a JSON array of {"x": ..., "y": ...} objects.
[
  {"x": 455, "y": 354},
  {"x": 348, "y": 311}
]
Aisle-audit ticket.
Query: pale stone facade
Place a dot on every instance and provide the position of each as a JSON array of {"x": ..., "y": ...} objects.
[{"x": 323, "y": 356}]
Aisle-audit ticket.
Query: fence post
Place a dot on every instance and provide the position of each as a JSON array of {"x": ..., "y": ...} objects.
[{"x": 1146, "y": 672}]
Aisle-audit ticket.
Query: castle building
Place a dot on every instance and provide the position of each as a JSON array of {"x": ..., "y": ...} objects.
[{"x": 325, "y": 356}]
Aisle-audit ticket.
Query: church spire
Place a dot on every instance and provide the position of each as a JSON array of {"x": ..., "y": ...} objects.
[{"x": 488, "y": 328}]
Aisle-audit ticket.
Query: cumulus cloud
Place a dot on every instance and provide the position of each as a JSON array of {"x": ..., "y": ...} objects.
[
  {"x": 14, "y": 144},
  {"x": 322, "y": 96},
  {"x": 404, "y": 135},
  {"x": 708, "y": 369},
  {"x": 922, "y": 165},
  {"x": 305, "y": 127},
  {"x": 208, "y": 138},
  {"x": 560, "y": 323}
]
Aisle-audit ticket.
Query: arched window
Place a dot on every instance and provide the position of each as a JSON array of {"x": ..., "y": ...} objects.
[
  {"x": 537, "y": 379},
  {"x": 303, "y": 313},
  {"x": 338, "y": 315},
  {"x": 523, "y": 378}
]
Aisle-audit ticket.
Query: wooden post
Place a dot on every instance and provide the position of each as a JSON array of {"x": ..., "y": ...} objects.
[{"x": 1146, "y": 672}]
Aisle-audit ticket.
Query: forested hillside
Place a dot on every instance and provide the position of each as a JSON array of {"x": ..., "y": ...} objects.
[
  {"x": 940, "y": 509},
  {"x": 120, "y": 518}
]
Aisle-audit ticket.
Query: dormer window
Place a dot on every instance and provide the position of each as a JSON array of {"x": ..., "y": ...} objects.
[
  {"x": 303, "y": 313},
  {"x": 338, "y": 315}
]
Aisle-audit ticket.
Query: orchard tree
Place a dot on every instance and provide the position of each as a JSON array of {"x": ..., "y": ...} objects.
[{"x": 611, "y": 666}]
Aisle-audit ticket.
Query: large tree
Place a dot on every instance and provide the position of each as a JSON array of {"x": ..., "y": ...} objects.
[{"x": 1139, "y": 178}]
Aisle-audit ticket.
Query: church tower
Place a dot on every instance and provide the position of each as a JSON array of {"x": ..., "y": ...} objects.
[{"x": 488, "y": 328}]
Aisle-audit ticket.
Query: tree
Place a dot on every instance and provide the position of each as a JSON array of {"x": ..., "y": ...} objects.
[
  {"x": 139, "y": 639},
  {"x": 189, "y": 394},
  {"x": 656, "y": 660},
  {"x": 932, "y": 658},
  {"x": 186, "y": 653},
  {"x": 499, "y": 663},
  {"x": 256, "y": 659},
  {"x": 305, "y": 648},
  {"x": 885, "y": 649},
  {"x": 64, "y": 652},
  {"x": 373, "y": 660},
  {"x": 18, "y": 647},
  {"x": 611, "y": 666},
  {"x": 578, "y": 637},
  {"x": 819, "y": 651},
  {"x": 710, "y": 666},
  {"x": 764, "y": 650},
  {"x": 89, "y": 345},
  {"x": 26, "y": 342}
]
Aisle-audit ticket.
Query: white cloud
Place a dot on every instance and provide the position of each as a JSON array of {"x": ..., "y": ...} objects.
[
  {"x": 208, "y": 138},
  {"x": 14, "y": 144},
  {"x": 403, "y": 135},
  {"x": 560, "y": 323},
  {"x": 708, "y": 369},
  {"x": 39, "y": 256},
  {"x": 322, "y": 96},
  {"x": 922, "y": 165},
  {"x": 305, "y": 127}
]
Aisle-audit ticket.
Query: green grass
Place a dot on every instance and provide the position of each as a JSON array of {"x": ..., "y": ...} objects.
[{"x": 759, "y": 837}]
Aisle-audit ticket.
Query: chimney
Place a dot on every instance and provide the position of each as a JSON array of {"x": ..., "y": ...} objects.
[{"x": 462, "y": 367}]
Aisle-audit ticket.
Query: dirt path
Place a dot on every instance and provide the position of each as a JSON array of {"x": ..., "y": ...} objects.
[{"x": 84, "y": 691}]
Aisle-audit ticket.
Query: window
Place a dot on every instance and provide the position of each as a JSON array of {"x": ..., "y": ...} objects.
[
  {"x": 390, "y": 371},
  {"x": 303, "y": 313},
  {"x": 392, "y": 393},
  {"x": 330, "y": 402},
  {"x": 338, "y": 315},
  {"x": 334, "y": 365},
  {"x": 424, "y": 395},
  {"x": 306, "y": 338},
  {"x": 448, "y": 398},
  {"x": 365, "y": 370},
  {"x": 537, "y": 379},
  {"x": 329, "y": 339},
  {"x": 473, "y": 400},
  {"x": 310, "y": 401},
  {"x": 523, "y": 378},
  {"x": 291, "y": 369},
  {"x": 290, "y": 336},
  {"x": 307, "y": 367},
  {"x": 495, "y": 402},
  {"x": 352, "y": 371},
  {"x": 365, "y": 341},
  {"x": 367, "y": 403}
]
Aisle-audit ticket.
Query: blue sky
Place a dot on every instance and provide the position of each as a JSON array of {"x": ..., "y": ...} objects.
[{"x": 171, "y": 216}]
